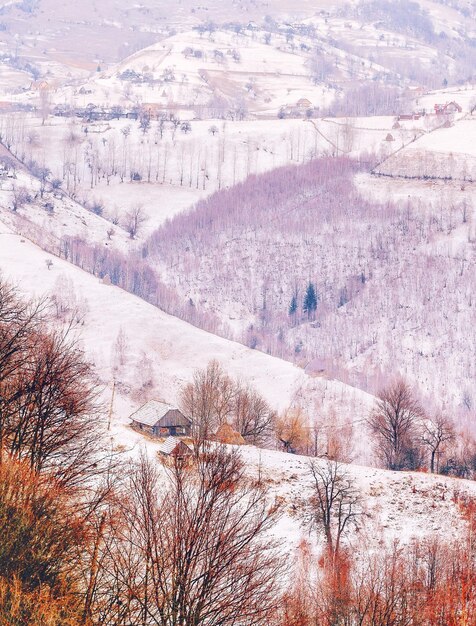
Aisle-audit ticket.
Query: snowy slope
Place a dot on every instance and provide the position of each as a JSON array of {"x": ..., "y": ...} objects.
[
  {"x": 47, "y": 218},
  {"x": 161, "y": 352},
  {"x": 394, "y": 506},
  {"x": 443, "y": 153},
  {"x": 397, "y": 505}
]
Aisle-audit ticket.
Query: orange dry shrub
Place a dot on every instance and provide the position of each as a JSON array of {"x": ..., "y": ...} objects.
[
  {"x": 427, "y": 583},
  {"x": 40, "y": 540},
  {"x": 19, "y": 607},
  {"x": 297, "y": 604}
]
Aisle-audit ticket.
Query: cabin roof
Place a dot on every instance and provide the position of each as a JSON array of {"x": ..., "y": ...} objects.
[
  {"x": 170, "y": 444},
  {"x": 152, "y": 412}
]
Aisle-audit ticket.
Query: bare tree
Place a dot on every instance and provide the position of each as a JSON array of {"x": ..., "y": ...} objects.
[
  {"x": 196, "y": 552},
  {"x": 134, "y": 220},
  {"x": 44, "y": 104},
  {"x": 253, "y": 418},
  {"x": 335, "y": 503},
  {"x": 436, "y": 432},
  {"x": 48, "y": 414},
  {"x": 394, "y": 423},
  {"x": 8, "y": 166},
  {"x": 47, "y": 395},
  {"x": 19, "y": 320},
  {"x": 21, "y": 196},
  {"x": 119, "y": 350},
  {"x": 208, "y": 400}
]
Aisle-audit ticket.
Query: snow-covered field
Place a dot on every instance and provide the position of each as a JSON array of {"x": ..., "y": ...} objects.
[
  {"x": 95, "y": 161},
  {"x": 394, "y": 506},
  {"x": 398, "y": 505},
  {"x": 444, "y": 153}
]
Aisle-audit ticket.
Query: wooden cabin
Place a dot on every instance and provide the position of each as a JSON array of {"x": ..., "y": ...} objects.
[{"x": 159, "y": 419}]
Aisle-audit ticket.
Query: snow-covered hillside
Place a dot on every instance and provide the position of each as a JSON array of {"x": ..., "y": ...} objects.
[
  {"x": 261, "y": 213},
  {"x": 395, "y": 506},
  {"x": 445, "y": 153},
  {"x": 394, "y": 281},
  {"x": 152, "y": 355}
]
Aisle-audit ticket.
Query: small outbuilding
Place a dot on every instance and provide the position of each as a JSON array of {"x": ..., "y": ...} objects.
[
  {"x": 159, "y": 419},
  {"x": 304, "y": 103},
  {"x": 173, "y": 447}
]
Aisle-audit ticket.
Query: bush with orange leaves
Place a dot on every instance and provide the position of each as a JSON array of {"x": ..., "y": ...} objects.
[
  {"x": 41, "y": 537},
  {"x": 292, "y": 430}
]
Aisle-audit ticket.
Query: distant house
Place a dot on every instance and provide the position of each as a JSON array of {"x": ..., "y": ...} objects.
[
  {"x": 39, "y": 85},
  {"x": 62, "y": 110},
  {"x": 303, "y": 103},
  {"x": 416, "y": 92},
  {"x": 303, "y": 107},
  {"x": 152, "y": 109},
  {"x": 448, "y": 108},
  {"x": 161, "y": 420},
  {"x": 409, "y": 116},
  {"x": 95, "y": 113}
]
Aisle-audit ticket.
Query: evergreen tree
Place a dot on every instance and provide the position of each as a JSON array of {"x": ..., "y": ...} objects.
[
  {"x": 293, "y": 306},
  {"x": 310, "y": 301}
]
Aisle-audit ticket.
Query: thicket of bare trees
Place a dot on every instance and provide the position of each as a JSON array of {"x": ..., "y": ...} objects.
[
  {"x": 50, "y": 466},
  {"x": 429, "y": 583},
  {"x": 41, "y": 535},
  {"x": 47, "y": 413},
  {"x": 406, "y": 437},
  {"x": 214, "y": 398},
  {"x": 136, "y": 276},
  {"x": 195, "y": 550},
  {"x": 274, "y": 230},
  {"x": 193, "y": 547}
]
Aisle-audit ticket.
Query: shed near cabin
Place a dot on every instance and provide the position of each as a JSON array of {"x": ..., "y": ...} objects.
[
  {"x": 173, "y": 447},
  {"x": 161, "y": 420}
]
